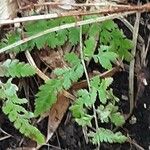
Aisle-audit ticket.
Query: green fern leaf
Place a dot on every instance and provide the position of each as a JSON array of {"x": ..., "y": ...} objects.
[
  {"x": 61, "y": 37},
  {"x": 18, "y": 114},
  {"x": 35, "y": 27},
  {"x": 77, "y": 110},
  {"x": 72, "y": 59},
  {"x": 47, "y": 96},
  {"x": 117, "y": 119},
  {"x": 84, "y": 120},
  {"x": 105, "y": 57},
  {"x": 104, "y": 113},
  {"x": 70, "y": 74},
  {"x": 112, "y": 96},
  {"x": 105, "y": 135},
  {"x": 88, "y": 49},
  {"x": 74, "y": 35},
  {"x": 11, "y": 38},
  {"x": 102, "y": 91},
  {"x": 101, "y": 86},
  {"x": 94, "y": 30},
  {"x": 111, "y": 35},
  {"x": 52, "y": 40},
  {"x": 79, "y": 113},
  {"x": 107, "y": 27},
  {"x": 84, "y": 100},
  {"x": 123, "y": 46},
  {"x": 14, "y": 68},
  {"x": 110, "y": 112}
]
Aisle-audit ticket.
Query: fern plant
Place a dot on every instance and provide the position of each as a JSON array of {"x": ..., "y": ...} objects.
[
  {"x": 14, "y": 68},
  {"x": 105, "y": 135},
  {"x": 47, "y": 95},
  {"x": 112, "y": 45},
  {"x": 107, "y": 111},
  {"x": 12, "y": 104}
]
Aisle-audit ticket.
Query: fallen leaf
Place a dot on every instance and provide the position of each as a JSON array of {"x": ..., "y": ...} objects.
[{"x": 8, "y": 9}]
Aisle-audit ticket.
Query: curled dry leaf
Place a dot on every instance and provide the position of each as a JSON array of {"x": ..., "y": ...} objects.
[{"x": 67, "y": 7}]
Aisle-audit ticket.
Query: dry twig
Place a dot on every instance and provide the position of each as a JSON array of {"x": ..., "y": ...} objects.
[
  {"x": 107, "y": 10},
  {"x": 132, "y": 63}
]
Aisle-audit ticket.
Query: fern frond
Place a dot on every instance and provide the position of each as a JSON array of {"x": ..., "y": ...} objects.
[
  {"x": 112, "y": 36},
  {"x": 70, "y": 74},
  {"x": 18, "y": 114},
  {"x": 104, "y": 112},
  {"x": 110, "y": 113},
  {"x": 53, "y": 39},
  {"x": 14, "y": 68},
  {"x": 105, "y": 135},
  {"x": 47, "y": 96},
  {"x": 84, "y": 100}
]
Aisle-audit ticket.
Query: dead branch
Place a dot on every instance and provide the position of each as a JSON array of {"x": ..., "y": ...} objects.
[{"x": 105, "y": 10}]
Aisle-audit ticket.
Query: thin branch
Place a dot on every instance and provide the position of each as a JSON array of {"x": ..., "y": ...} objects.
[
  {"x": 135, "y": 144},
  {"x": 87, "y": 77},
  {"x": 106, "y": 10},
  {"x": 132, "y": 63},
  {"x": 82, "y": 60},
  {"x": 145, "y": 52},
  {"x": 57, "y": 4},
  {"x": 66, "y": 26}
]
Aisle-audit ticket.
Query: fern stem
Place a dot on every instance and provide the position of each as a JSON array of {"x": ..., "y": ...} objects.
[
  {"x": 82, "y": 60},
  {"x": 87, "y": 78},
  {"x": 66, "y": 26}
]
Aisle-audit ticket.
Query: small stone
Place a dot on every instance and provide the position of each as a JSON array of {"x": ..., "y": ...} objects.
[
  {"x": 133, "y": 120},
  {"x": 145, "y": 106},
  {"x": 124, "y": 97}
]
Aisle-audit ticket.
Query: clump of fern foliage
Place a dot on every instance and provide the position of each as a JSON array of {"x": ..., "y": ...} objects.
[
  {"x": 112, "y": 45},
  {"x": 12, "y": 104}
]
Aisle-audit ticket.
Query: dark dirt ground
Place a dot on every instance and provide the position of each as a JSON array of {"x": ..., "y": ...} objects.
[{"x": 70, "y": 137}]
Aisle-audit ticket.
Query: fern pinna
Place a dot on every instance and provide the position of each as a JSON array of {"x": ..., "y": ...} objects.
[{"x": 111, "y": 45}]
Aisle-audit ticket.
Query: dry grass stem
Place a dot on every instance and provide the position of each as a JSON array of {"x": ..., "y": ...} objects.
[{"x": 132, "y": 63}]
